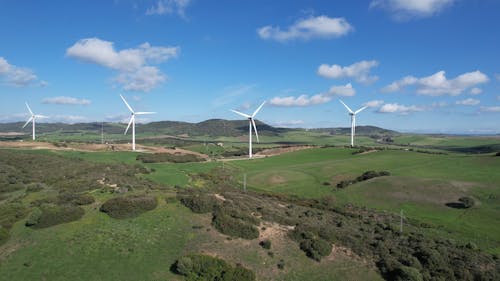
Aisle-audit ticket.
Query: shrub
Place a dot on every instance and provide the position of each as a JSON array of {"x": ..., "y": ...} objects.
[
  {"x": 78, "y": 199},
  {"x": 266, "y": 244},
  {"x": 207, "y": 268},
  {"x": 168, "y": 157},
  {"x": 316, "y": 248},
  {"x": 50, "y": 215},
  {"x": 234, "y": 227},
  {"x": 128, "y": 207},
  {"x": 281, "y": 264},
  {"x": 467, "y": 202},
  {"x": 200, "y": 203}
]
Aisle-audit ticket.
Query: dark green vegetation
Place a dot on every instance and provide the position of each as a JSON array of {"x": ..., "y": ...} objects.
[
  {"x": 207, "y": 268},
  {"x": 365, "y": 176},
  {"x": 168, "y": 157},
  {"x": 48, "y": 215},
  {"x": 128, "y": 206}
]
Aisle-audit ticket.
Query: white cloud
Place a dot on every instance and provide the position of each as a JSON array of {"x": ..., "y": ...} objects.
[
  {"x": 69, "y": 119},
  {"x": 468, "y": 102},
  {"x": 66, "y": 100},
  {"x": 374, "y": 103},
  {"x": 305, "y": 100},
  {"x": 437, "y": 84},
  {"x": 16, "y": 76},
  {"x": 310, "y": 28},
  {"x": 408, "y": 9},
  {"x": 490, "y": 109},
  {"x": 359, "y": 71},
  {"x": 400, "y": 109},
  {"x": 133, "y": 65},
  {"x": 475, "y": 91},
  {"x": 288, "y": 123},
  {"x": 163, "y": 7}
]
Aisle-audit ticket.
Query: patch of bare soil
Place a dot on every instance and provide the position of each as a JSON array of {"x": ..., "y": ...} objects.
[
  {"x": 220, "y": 197},
  {"x": 281, "y": 150},
  {"x": 89, "y": 147},
  {"x": 277, "y": 179},
  {"x": 368, "y": 151}
]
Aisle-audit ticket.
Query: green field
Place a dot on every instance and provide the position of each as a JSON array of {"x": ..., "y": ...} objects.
[{"x": 97, "y": 247}]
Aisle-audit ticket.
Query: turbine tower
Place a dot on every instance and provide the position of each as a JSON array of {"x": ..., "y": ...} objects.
[
  {"x": 132, "y": 120},
  {"x": 353, "y": 120},
  {"x": 251, "y": 123},
  {"x": 32, "y": 119}
]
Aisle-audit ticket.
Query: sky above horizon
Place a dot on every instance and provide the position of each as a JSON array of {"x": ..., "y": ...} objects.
[{"x": 419, "y": 65}]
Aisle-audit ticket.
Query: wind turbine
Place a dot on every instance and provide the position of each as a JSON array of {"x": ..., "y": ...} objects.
[
  {"x": 32, "y": 119},
  {"x": 251, "y": 122},
  {"x": 353, "y": 120},
  {"x": 132, "y": 120}
]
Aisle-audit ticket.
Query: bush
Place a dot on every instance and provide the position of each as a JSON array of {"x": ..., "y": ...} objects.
[
  {"x": 168, "y": 157},
  {"x": 128, "y": 207},
  {"x": 316, "y": 248},
  {"x": 467, "y": 202},
  {"x": 202, "y": 267},
  {"x": 200, "y": 203},
  {"x": 365, "y": 176},
  {"x": 77, "y": 199},
  {"x": 234, "y": 227},
  {"x": 266, "y": 244},
  {"x": 49, "y": 215}
]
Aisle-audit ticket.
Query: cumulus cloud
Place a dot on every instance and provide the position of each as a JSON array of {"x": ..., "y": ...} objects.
[
  {"x": 475, "y": 91},
  {"x": 15, "y": 75},
  {"x": 305, "y": 100},
  {"x": 468, "y": 102},
  {"x": 374, "y": 103},
  {"x": 400, "y": 109},
  {"x": 135, "y": 72},
  {"x": 438, "y": 85},
  {"x": 359, "y": 71},
  {"x": 163, "y": 7},
  {"x": 66, "y": 100},
  {"x": 408, "y": 9},
  {"x": 490, "y": 109},
  {"x": 311, "y": 28}
]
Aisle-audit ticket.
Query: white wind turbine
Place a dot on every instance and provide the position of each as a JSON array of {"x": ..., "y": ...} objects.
[
  {"x": 353, "y": 120},
  {"x": 32, "y": 119},
  {"x": 132, "y": 120},
  {"x": 251, "y": 122}
]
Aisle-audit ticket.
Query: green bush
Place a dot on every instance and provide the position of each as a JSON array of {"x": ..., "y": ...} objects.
[
  {"x": 234, "y": 227},
  {"x": 199, "y": 203},
  {"x": 50, "y": 215},
  {"x": 128, "y": 207},
  {"x": 266, "y": 244},
  {"x": 168, "y": 157},
  {"x": 316, "y": 248},
  {"x": 206, "y": 268},
  {"x": 78, "y": 199}
]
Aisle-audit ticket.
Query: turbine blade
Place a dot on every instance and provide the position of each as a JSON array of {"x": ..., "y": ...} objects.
[
  {"x": 361, "y": 109},
  {"x": 144, "y": 112},
  {"x": 346, "y": 106},
  {"x": 257, "y": 110},
  {"x": 129, "y": 122},
  {"x": 27, "y": 122},
  {"x": 242, "y": 114},
  {"x": 255, "y": 129},
  {"x": 126, "y": 103},
  {"x": 29, "y": 109}
]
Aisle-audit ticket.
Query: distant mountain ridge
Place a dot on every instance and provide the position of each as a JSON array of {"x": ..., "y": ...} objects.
[{"x": 211, "y": 127}]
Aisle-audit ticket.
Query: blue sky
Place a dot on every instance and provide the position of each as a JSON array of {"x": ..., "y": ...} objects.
[{"x": 420, "y": 65}]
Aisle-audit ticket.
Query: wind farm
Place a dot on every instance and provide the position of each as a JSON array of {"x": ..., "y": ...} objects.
[{"x": 187, "y": 140}]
